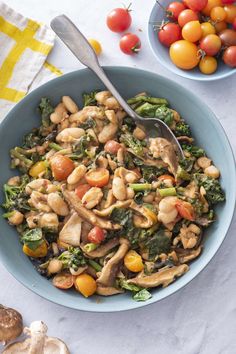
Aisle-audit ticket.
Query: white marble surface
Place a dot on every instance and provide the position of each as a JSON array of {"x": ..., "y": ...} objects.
[{"x": 201, "y": 318}]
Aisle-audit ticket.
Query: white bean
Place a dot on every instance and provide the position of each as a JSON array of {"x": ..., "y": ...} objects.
[
  {"x": 118, "y": 188},
  {"x": 14, "y": 181},
  {"x": 92, "y": 197},
  {"x": 112, "y": 103},
  {"x": 167, "y": 211},
  {"x": 203, "y": 162},
  {"x": 37, "y": 185},
  {"x": 130, "y": 193},
  {"x": 109, "y": 131},
  {"x": 131, "y": 177},
  {"x": 57, "y": 204},
  {"x": 49, "y": 220},
  {"x": 76, "y": 174},
  {"x": 70, "y": 105},
  {"x": 68, "y": 135},
  {"x": 59, "y": 114},
  {"x": 212, "y": 171},
  {"x": 139, "y": 133},
  {"x": 54, "y": 266},
  {"x": 102, "y": 96}
]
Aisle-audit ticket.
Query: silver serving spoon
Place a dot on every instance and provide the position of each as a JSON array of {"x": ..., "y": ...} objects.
[{"x": 80, "y": 47}]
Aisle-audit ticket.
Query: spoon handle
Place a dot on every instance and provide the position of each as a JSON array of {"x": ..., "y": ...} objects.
[{"x": 80, "y": 47}]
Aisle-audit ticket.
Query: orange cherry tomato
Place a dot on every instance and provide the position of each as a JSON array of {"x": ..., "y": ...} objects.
[
  {"x": 218, "y": 14},
  {"x": 192, "y": 31},
  {"x": 61, "y": 166},
  {"x": 184, "y": 54},
  {"x": 185, "y": 209},
  {"x": 85, "y": 284},
  {"x": 210, "y": 4},
  {"x": 112, "y": 147},
  {"x": 163, "y": 177},
  {"x": 96, "y": 235},
  {"x": 81, "y": 190},
  {"x": 97, "y": 177},
  {"x": 207, "y": 28},
  {"x": 133, "y": 261},
  {"x": 63, "y": 280}
]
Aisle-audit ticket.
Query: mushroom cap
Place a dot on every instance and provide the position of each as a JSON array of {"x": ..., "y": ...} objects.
[
  {"x": 52, "y": 346},
  {"x": 11, "y": 324}
]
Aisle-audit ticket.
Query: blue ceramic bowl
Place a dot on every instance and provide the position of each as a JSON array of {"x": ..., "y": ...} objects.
[
  {"x": 162, "y": 53},
  {"x": 206, "y": 129}
]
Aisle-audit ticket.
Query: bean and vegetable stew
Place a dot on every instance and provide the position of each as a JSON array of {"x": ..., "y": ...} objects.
[{"x": 97, "y": 205}]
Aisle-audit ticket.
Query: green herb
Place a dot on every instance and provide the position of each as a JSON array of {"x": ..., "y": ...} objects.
[
  {"x": 131, "y": 287},
  {"x": 33, "y": 238},
  {"x": 72, "y": 258},
  {"x": 214, "y": 192},
  {"x": 15, "y": 196},
  {"x": 142, "y": 295},
  {"x": 193, "y": 150},
  {"x": 89, "y": 98},
  {"x": 130, "y": 141},
  {"x": 89, "y": 123},
  {"x": 45, "y": 109},
  {"x": 182, "y": 129}
]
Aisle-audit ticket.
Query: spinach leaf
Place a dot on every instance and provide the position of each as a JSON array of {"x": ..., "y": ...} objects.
[
  {"x": 33, "y": 238},
  {"x": 131, "y": 287},
  {"x": 142, "y": 295},
  {"x": 158, "y": 243}
]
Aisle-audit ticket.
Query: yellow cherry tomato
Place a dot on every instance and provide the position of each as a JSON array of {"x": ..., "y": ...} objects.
[
  {"x": 96, "y": 46},
  {"x": 85, "y": 284},
  {"x": 218, "y": 14},
  {"x": 38, "y": 168},
  {"x": 184, "y": 54},
  {"x": 207, "y": 28},
  {"x": 220, "y": 26},
  {"x": 152, "y": 215},
  {"x": 39, "y": 252},
  {"x": 133, "y": 261},
  {"x": 208, "y": 65},
  {"x": 210, "y": 4},
  {"x": 192, "y": 31}
]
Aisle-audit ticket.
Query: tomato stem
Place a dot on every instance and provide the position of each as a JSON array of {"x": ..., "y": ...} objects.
[
  {"x": 128, "y": 8},
  {"x": 136, "y": 48}
]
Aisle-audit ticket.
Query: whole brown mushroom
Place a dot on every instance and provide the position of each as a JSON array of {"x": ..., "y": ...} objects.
[{"x": 11, "y": 324}]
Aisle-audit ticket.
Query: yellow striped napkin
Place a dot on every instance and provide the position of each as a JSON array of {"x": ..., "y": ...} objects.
[{"x": 24, "y": 47}]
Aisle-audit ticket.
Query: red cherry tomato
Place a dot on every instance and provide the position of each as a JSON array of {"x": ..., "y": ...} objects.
[
  {"x": 229, "y": 56},
  {"x": 211, "y": 44},
  {"x": 227, "y": 2},
  {"x": 81, "y": 190},
  {"x": 96, "y": 235},
  {"x": 169, "y": 33},
  {"x": 119, "y": 20},
  {"x": 187, "y": 16},
  {"x": 130, "y": 44},
  {"x": 174, "y": 9},
  {"x": 112, "y": 147},
  {"x": 196, "y": 5}
]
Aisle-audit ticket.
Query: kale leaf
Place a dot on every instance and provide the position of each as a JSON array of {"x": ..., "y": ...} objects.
[
  {"x": 158, "y": 243},
  {"x": 214, "y": 192},
  {"x": 73, "y": 258},
  {"x": 130, "y": 141},
  {"x": 194, "y": 150},
  {"x": 45, "y": 109}
]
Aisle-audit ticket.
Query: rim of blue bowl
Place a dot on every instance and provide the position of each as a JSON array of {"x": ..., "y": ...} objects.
[
  {"x": 183, "y": 73},
  {"x": 184, "y": 280}
]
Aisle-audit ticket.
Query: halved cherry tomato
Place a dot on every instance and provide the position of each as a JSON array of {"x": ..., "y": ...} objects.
[
  {"x": 112, "y": 146},
  {"x": 63, "y": 280},
  {"x": 61, "y": 166},
  {"x": 163, "y": 177},
  {"x": 81, "y": 190},
  {"x": 97, "y": 177},
  {"x": 185, "y": 210},
  {"x": 96, "y": 235}
]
